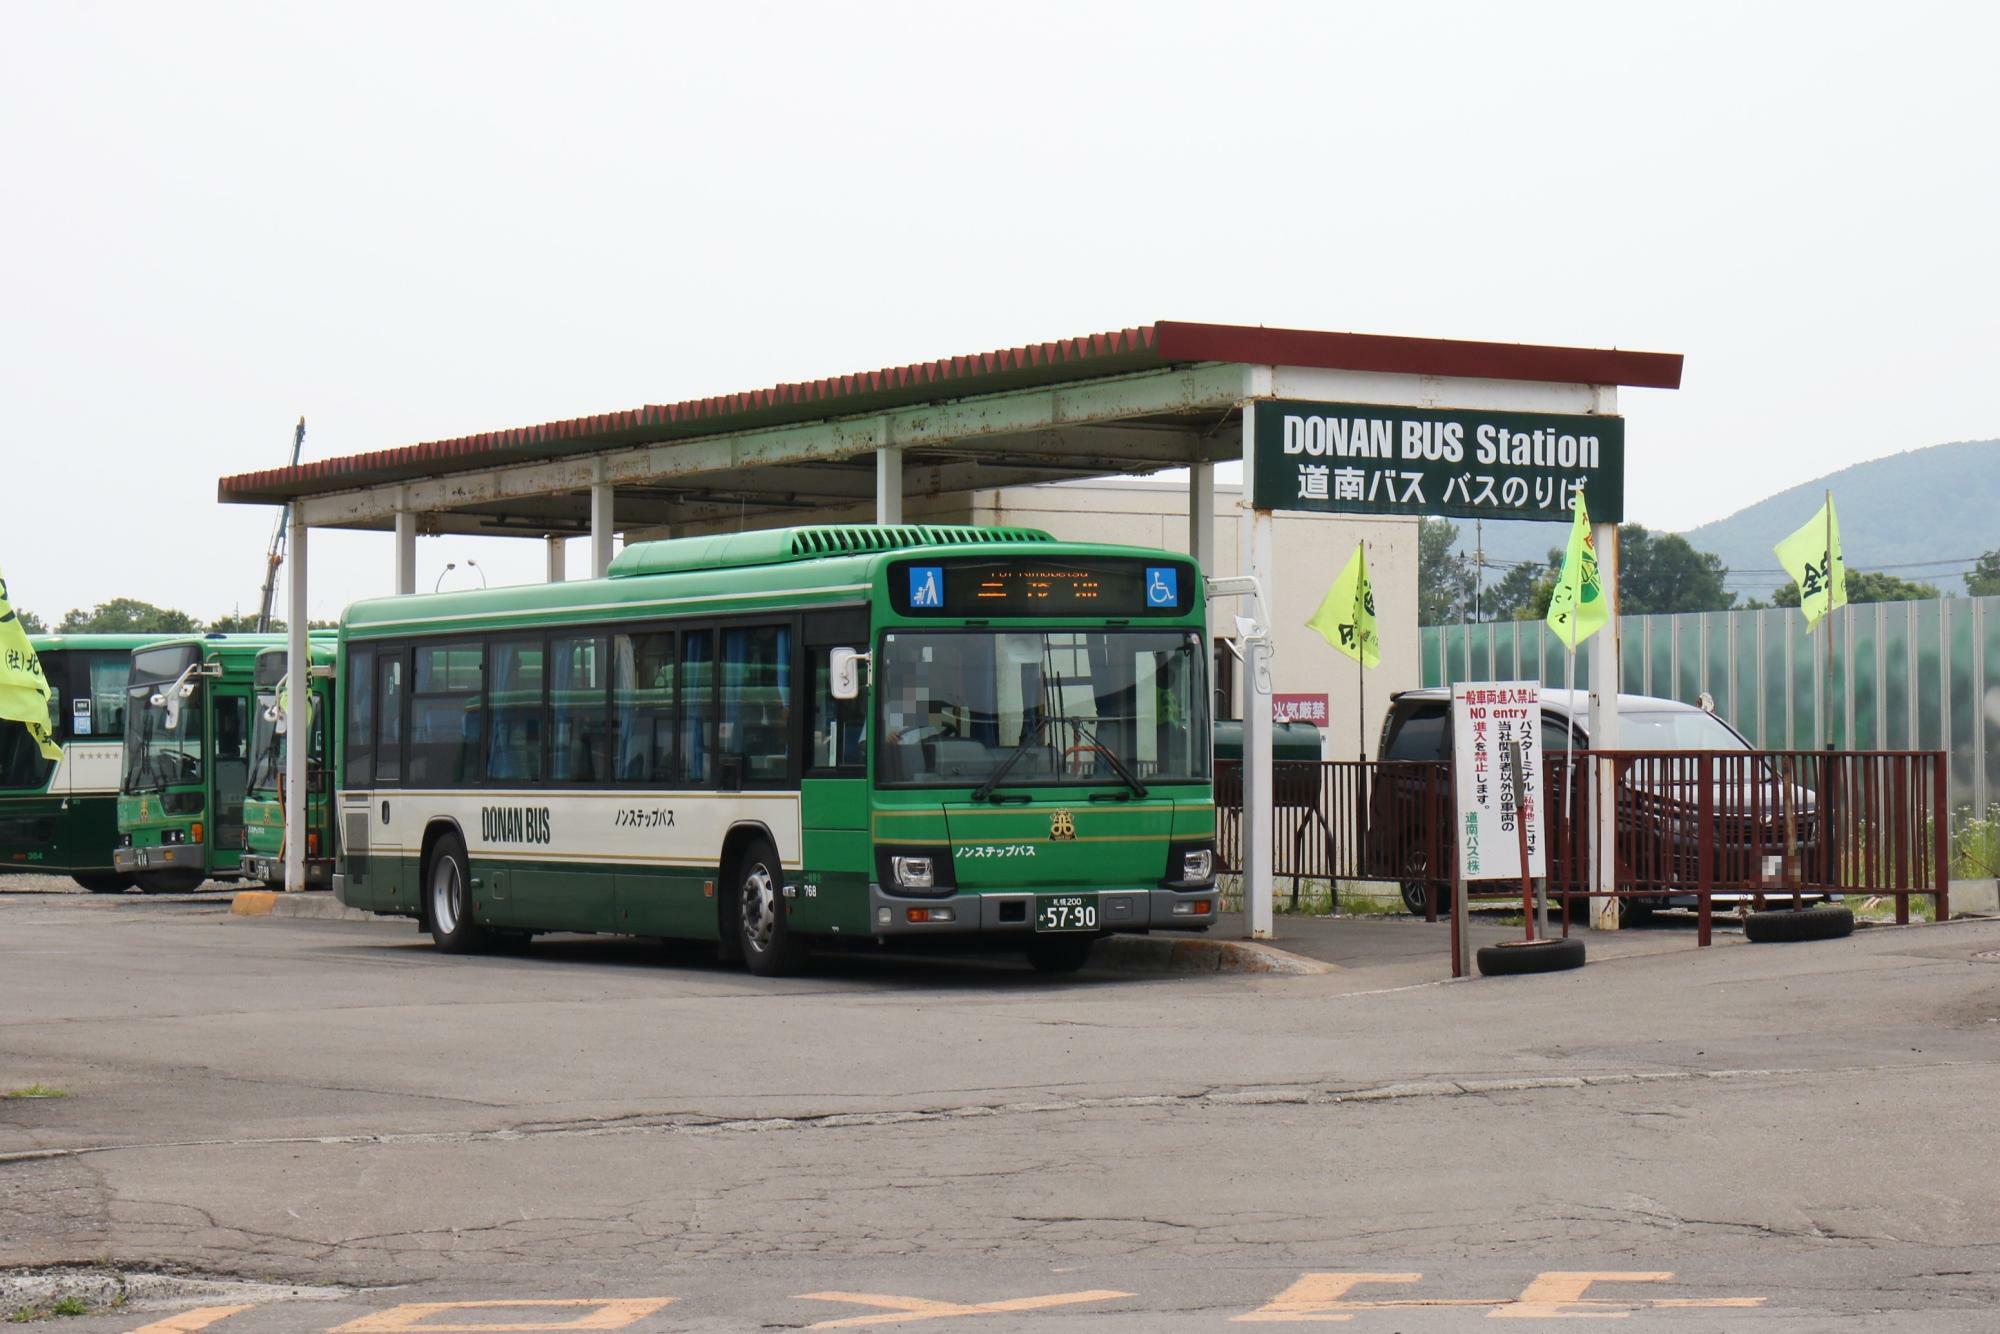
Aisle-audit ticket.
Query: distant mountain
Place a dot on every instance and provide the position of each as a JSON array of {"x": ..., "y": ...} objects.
[
  {"x": 1932, "y": 504},
  {"x": 1925, "y": 505}
]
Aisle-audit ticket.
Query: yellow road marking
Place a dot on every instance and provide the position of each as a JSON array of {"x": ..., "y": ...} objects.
[
  {"x": 1318, "y": 1297},
  {"x": 1558, "y": 1295},
  {"x": 607, "y": 1314},
  {"x": 189, "y": 1321},
  {"x": 922, "y": 1308},
  {"x": 1554, "y": 1295}
]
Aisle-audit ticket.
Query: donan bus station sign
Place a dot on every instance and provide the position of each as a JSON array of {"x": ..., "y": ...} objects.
[{"x": 1354, "y": 458}]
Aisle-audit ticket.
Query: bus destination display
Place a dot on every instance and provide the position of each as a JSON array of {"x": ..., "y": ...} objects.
[{"x": 981, "y": 588}]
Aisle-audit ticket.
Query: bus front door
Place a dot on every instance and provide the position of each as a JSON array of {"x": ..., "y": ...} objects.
[{"x": 231, "y": 778}]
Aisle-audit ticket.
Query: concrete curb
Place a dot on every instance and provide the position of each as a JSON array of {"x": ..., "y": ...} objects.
[
  {"x": 1116, "y": 954},
  {"x": 1166, "y": 954},
  {"x": 313, "y": 904}
]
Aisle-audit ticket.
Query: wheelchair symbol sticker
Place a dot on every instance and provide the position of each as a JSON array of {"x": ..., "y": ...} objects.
[
  {"x": 927, "y": 586},
  {"x": 1163, "y": 586}
]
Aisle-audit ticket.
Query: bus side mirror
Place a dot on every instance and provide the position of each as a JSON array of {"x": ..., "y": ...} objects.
[{"x": 845, "y": 666}]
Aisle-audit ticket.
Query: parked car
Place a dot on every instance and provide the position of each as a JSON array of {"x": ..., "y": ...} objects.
[{"x": 1764, "y": 828}]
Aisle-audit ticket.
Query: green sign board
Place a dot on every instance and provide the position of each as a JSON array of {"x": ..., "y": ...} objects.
[{"x": 1361, "y": 458}]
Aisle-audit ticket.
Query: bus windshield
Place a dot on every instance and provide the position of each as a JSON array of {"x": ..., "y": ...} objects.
[
  {"x": 22, "y": 766},
  {"x": 1040, "y": 707},
  {"x": 157, "y": 754},
  {"x": 267, "y": 745}
]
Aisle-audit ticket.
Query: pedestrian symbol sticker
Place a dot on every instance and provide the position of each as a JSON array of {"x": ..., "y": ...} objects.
[
  {"x": 927, "y": 586},
  {"x": 1163, "y": 586}
]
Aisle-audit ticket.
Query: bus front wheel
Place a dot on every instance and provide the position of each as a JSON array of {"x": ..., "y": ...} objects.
[
  {"x": 448, "y": 899},
  {"x": 1059, "y": 954},
  {"x": 103, "y": 882},
  {"x": 764, "y": 930}
]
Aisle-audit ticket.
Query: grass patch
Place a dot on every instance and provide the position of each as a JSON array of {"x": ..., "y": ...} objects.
[
  {"x": 35, "y": 1091},
  {"x": 1882, "y": 907},
  {"x": 61, "y": 1306}
]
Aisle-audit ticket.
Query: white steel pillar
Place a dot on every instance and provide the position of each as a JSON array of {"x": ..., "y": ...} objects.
[
  {"x": 602, "y": 525},
  {"x": 1201, "y": 523},
  {"x": 298, "y": 723},
  {"x": 1201, "y": 516},
  {"x": 889, "y": 485},
  {"x": 406, "y": 552},
  {"x": 1605, "y": 676},
  {"x": 556, "y": 552},
  {"x": 1258, "y": 563}
]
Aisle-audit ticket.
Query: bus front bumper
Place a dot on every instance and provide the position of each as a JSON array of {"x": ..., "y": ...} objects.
[
  {"x": 175, "y": 857},
  {"x": 271, "y": 870},
  {"x": 1014, "y": 914}
]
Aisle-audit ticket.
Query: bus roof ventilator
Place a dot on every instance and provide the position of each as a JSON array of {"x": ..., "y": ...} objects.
[{"x": 779, "y": 546}]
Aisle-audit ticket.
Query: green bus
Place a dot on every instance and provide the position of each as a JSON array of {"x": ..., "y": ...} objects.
[
  {"x": 855, "y": 733},
  {"x": 60, "y": 817},
  {"x": 187, "y": 760},
  {"x": 263, "y": 804}
]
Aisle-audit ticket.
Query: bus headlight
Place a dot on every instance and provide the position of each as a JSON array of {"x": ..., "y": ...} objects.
[
  {"x": 1189, "y": 866},
  {"x": 913, "y": 872}
]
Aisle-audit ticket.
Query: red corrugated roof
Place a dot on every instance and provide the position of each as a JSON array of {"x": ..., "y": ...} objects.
[{"x": 1095, "y": 355}]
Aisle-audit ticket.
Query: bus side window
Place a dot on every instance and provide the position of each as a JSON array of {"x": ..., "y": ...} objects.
[
  {"x": 697, "y": 686},
  {"x": 579, "y": 739},
  {"x": 360, "y": 718},
  {"x": 836, "y": 734},
  {"x": 444, "y": 714},
  {"x": 642, "y": 708},
  {"x": 389, "y": 718},
  {"x": 514, "y": 712},
  {"x": 757, "y": 700}
]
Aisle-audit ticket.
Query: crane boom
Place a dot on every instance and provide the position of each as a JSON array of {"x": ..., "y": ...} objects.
[{"x": 275, "y": 556}]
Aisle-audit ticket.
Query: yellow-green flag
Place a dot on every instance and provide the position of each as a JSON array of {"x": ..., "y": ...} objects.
[
  {"x": 1577, "y": 609},
  {"x": 1346, "y": 618},
  {"x": 24, "y": 691},
  {"x": 1812, "y": 557}
]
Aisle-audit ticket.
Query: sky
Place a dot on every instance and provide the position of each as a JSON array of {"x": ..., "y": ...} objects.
[{"x": 411, "y": 222}]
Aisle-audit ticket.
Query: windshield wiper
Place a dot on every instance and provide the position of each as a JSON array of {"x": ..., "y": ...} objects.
[
  {"x": 985, "y": 790},
  {"x": 1125, "y": 775}
]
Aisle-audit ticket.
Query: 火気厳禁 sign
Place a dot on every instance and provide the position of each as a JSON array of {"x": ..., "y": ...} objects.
[{"x": 1359, "y": 458}]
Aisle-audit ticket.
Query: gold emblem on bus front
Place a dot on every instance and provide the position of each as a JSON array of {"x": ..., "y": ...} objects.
[{"x": 1062, "y": 826}]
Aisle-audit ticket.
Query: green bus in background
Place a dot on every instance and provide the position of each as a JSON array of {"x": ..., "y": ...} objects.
[
  {"x": 887, "y": 733},
  {"x": 263, "y": 805},
  {"x": 189, "y": 716},
  {"x": 60, "y": 817}
]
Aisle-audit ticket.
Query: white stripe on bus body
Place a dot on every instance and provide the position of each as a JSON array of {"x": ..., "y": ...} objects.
[{"x": 588, "y": 819}]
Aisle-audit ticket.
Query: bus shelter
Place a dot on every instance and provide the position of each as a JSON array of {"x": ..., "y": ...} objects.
[{"x": 1340, "y": 422}]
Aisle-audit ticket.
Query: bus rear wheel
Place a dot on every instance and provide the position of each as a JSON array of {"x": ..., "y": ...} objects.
[
  {"x": 103, "y": 882},
  {"x": 763, "y": 926},
  {"x": 448, "y": 900},
  {"x": 178, "y": 881}
]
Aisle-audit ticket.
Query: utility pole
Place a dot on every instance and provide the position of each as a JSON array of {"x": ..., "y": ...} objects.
[{"x": 275, "y": 556}]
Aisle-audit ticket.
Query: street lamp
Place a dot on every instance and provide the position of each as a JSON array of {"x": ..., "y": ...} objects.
[{"x": 451, "y": 565}]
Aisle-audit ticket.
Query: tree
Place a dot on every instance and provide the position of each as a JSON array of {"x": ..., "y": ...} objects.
[
  {"x": 127, "y": 616},
  {"x": 1984, "y": 580},
  {"x": 1523, "y": 593},
  {"x": 1444, "y": 577},
  {"x": 1867, "y": 586},
  {"x": 241, "y": 623},
  {"x": 1662, "y": 572},
  {"x": 30, "y": 622}
]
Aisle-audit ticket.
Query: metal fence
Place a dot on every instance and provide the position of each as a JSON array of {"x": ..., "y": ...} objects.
[
  {"x": 1906, "y": 675},
  {"x": 1693, "y": 828}
]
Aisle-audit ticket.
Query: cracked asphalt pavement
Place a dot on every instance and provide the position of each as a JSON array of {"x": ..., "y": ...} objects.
[{"x": 1761, "y": 1138}]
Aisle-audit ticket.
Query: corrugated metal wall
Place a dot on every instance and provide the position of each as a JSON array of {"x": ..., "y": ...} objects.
[{"x": 1906, "y": 675}]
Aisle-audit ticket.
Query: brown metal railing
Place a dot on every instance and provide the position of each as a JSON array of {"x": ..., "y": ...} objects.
[{"x": 1757, "y": 828}]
